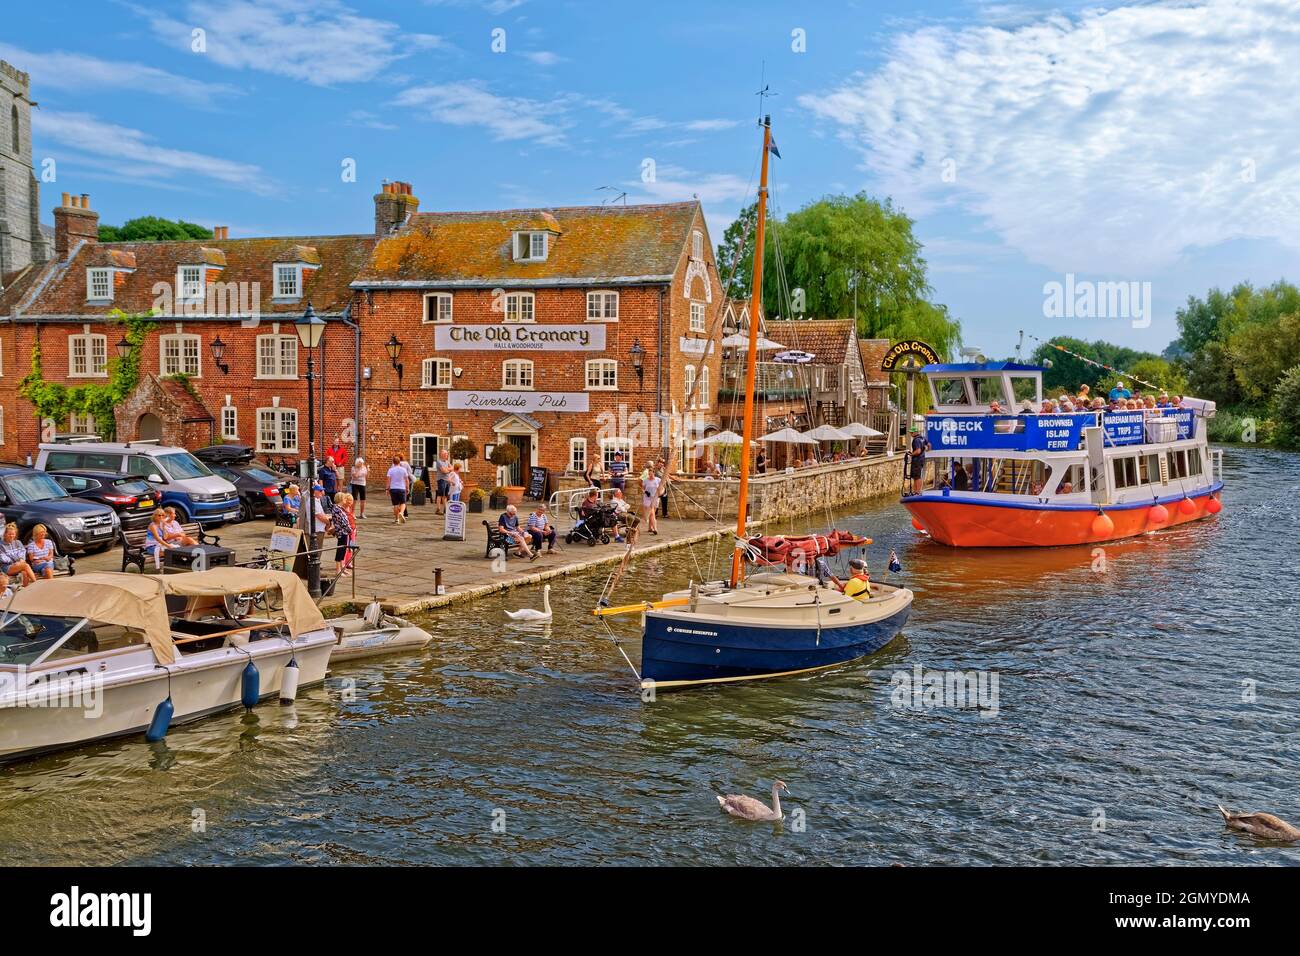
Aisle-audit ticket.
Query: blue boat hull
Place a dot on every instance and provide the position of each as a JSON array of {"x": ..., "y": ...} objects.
[{"x": 677, "y": 650}]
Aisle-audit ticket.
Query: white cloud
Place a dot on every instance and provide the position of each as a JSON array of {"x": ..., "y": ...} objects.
[
  {"x": 543, "y": 57},
  {"x": 1110, "y": 142},
  {"x": 470, "y": 103},
  {"x": 673, "y": 184},
  {"x": 76, "y": 72},
  {"x": 321, "y": 42},
  {"x": 127, "y": 152}
]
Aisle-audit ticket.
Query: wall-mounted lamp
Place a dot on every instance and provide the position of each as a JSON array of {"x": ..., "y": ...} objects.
[
  {"x": 394, "y": 347},
  {"x": 218, "y": 353},
  {"x": 123, "y": 347},
  {"x": 638, "y": 359}
]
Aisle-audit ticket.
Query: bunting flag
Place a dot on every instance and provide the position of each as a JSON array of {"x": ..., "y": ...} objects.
[{"x": 1093, "y": 362}]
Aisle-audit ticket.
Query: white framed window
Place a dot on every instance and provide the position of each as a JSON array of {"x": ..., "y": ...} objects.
[
  {"x": 697, "y": 245},
  {"x": 229, "y": 421},
  {"x": 577, "y": 455},
  {"x": 277, "y": 429},
  {"x": 435, "y": 373},
  {"x": 277, "y": 356},
  {"x": 702, "y": 390},
  {"x": 519, "y": 307},
  {"x": 190, "y": 284},
  {"x": 87, "y": 355},
  {"x": 688, "y": 385},
  {"x": 288, "y": 281},
  {"x": 416, "y": 445},
  {"x": 602, "y": 306},
  {"x": 531, "y": 246},
  {"x": 697, "y": 316},
  {"x": 609, "y": 447},
  {"x": 602, "y": 375},
  {"x": 437, "y": 307},
  {"x": 80, "y": 423},
  {"x": 517, "y": 374},
  {"x": 99, "y": 285},
  {"x": 179, "y": 355}
]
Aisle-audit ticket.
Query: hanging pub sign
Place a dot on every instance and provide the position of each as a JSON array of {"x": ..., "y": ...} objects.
[
  {"x": 909, "y": 356},
  {"x": 520, "y": 337}
]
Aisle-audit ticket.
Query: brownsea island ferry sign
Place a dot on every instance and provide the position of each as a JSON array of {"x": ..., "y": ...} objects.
[{"x": 519, "y": 337}]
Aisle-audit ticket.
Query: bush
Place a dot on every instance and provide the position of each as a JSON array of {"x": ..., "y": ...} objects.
[
  {"x": 462, "y": 449},
  {"x": 1286, "y": 408},
  {"x": 504, "y": 455},
  {"x": 1242, "y": 424},
  {"x": 478, "y": 494}
]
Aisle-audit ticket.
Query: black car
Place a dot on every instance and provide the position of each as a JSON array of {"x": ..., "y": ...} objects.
[
  {"x": 259, "y": 488},
  {"x": 29, "y": 497},
  {"x": 133, "y": 498}
]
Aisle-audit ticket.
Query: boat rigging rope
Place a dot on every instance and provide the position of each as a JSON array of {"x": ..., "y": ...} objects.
[{"x": 619, "y": 644}]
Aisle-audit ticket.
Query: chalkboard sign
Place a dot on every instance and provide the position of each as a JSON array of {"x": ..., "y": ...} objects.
[{"x": 537, "y": 483}]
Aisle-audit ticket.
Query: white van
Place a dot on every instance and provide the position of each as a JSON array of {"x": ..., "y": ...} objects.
[{"x": 185, "y": 482}]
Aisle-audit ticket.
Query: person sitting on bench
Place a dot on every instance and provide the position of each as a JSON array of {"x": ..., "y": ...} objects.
[
  {"x": 172, "y": 529},
  {"x": 540, "y": 529},
  {"x": 508, "y": 525},
  {"x": 155, "y": 537}
]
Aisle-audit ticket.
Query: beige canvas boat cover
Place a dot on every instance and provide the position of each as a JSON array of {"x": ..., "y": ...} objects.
[
  {"x": 129, "y": 600},
  {"x": 299, "y": 609}
]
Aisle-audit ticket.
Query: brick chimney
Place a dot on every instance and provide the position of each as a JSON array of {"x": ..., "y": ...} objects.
[
  {"x": 393, "y": 207},
  {"x": 74, "y": 221}
]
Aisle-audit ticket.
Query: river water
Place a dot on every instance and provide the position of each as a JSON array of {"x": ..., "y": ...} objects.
[{"x": 1136, "y": 689}]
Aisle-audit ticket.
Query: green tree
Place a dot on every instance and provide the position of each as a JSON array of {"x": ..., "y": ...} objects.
[
  {"x": 736, "y": 253},
  {"x": 1286, "y": 408},
  {"x": 1261, "y": 352},
  {"x": 153, "y": 229}
]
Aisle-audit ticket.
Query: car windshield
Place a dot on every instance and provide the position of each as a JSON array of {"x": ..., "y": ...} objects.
[
  {"x": 180, "y": 465},
  {"x": 261, "y": 474},
  {"x": 37, "y": 486},
  {"x": 25, "y": 637},
  {"x": 132, "y": 486}
]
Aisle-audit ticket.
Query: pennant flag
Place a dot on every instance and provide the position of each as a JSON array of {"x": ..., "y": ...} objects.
[{"x": 775, "y": 152}]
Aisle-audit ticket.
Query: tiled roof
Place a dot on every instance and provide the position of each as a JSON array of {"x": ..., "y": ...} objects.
[
  {"x": 245, "y": 261},
  {"x": 189, "y": 405},
  {"x": 873, "y": 353},
  {"x": 827, "y": 339},
  {"x": 592, "y": 243}
]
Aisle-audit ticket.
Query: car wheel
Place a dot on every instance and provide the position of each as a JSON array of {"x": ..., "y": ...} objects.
[{"x": 246, "y": 512}]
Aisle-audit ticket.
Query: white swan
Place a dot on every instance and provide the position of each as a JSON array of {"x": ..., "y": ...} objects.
[
  {"x": 529, "y": 614},
  {"x": 747, "y": 808}
]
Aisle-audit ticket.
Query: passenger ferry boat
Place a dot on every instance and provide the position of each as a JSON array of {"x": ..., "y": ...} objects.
[{"x": 996, "y": 480}]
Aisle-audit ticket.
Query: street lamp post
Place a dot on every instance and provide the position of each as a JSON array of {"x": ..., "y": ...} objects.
[{"x": 309, "y": 329}]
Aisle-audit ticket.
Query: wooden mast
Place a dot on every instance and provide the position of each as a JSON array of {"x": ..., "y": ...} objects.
[{"x": 751, "y": 369}]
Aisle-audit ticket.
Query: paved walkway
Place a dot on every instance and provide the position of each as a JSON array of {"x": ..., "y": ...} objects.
[{"x": 396, "y": 562}]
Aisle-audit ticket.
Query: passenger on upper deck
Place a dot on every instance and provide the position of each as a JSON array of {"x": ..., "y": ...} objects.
[
  {"x": 1119, "y": 392},
  {"x": 1084, "y": 394}
]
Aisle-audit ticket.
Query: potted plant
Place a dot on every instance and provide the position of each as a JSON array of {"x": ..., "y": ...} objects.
[
  {"x": 476, "y": 499},
  {"x": 462, "y": 449},
  {"x": 417, "y": 492},
  {"x": 498, "y": 498}
]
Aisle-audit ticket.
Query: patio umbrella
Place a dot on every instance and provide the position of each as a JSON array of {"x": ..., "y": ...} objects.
[
  {"x": 789, "y": 436},
  {"x": 740, "y": 340},
  {"x": 826, "y": 433},
  {"x": 859, "y": 430},
  {"x": 724, "y": 438}
]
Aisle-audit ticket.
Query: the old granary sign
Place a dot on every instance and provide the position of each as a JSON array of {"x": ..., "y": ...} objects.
[
  {"x": 520, "y": 337},
  {"x": 518, "y": 401}
]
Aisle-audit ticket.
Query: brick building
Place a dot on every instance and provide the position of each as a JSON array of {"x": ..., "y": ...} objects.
[{"x": 568, "y": 332}]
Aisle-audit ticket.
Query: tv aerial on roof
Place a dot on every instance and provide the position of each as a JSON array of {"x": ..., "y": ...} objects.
[{"x": 621, "y": 197}]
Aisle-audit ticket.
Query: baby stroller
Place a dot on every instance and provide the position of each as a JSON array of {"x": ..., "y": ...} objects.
[{"x": 594, "y": 527}]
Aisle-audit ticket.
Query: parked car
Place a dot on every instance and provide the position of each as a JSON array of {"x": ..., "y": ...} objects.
[
  {"x": 134, "y": 499},
  {"x": 259, "y": 488},
  {"x": 185, "y": 482},
  {"x": 29, "y": 497}
]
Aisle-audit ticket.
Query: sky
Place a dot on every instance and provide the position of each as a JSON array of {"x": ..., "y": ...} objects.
[{"x": 1070, "y": 169}]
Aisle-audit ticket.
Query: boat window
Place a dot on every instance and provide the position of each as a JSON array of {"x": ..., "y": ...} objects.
[
  {"x": 25, "y": 637},
  {"x": 1194, "y": 463},
  {"x": 1177, "y": 464},
  {"x": 989, "y": 390},
  {"x": 1126, "y": 472},
  {"x": 1071, "y": 481},
  {"x": 96, "y": 639},
  {"x": 1024, "y": 388},
  {"x": 951, "y": 391}
]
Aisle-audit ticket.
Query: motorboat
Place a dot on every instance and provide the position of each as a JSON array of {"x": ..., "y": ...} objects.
[
  {"x": 95, "y": 656},
  {"x": 374, "y": 633}
]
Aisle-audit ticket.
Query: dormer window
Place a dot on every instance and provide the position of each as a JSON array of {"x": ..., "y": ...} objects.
[
  {"x": 189, "y": 282},
  {"x": 531, "y": 246},
  {"x": 288, "y": 282},
  {"x": 99, "y": 285}
]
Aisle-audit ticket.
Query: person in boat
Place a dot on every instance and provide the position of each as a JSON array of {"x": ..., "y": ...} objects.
[
  {"x": 40, "y": 553},
  {"x": 920, "y": 445},
  {"x": 1120, "y": 393},
  {"x": 960, "y": 478},
  {"x": 1048, "y": 407},
  {"x": 1085, "y": 394},
  {"x": 540, "y": 529},
  {"x": 508, "y": 524},
  {"x": 1065, "y": 487},
  {"x": 13, "y": 555},
  {"x": 172, "y": 528},
  {"x": 858, "y": 585},
  {"x": 1163, "y": 400},
  {"x": 1036, "y": 488}
]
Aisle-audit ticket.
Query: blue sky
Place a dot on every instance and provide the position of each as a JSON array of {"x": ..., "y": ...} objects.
[{"x": 1152, "y": 142}]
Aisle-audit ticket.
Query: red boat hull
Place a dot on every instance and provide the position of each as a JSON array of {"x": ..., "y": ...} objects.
[{"x": 964, "y": 523}]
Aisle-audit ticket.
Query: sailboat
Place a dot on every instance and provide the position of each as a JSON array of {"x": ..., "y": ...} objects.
[{"x": 771, "y": 623}]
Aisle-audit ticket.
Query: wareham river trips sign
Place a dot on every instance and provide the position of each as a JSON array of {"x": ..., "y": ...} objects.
[
  {"x": 909, "y": 356},
  {"x": 520, "y": 337},
  {"x": 518, "y": 401},
  {"x": 1128, "y": 428}
]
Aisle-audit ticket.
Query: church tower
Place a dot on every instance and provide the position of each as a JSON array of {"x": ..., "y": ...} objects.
[{"x": 21, "y": 240}]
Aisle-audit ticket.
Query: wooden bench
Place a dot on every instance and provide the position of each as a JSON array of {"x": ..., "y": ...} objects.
[
  {"x": 496, "y": 539},
  {"x": 133, "y": 543}
]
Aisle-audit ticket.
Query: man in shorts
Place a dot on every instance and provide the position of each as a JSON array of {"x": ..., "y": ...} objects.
[{"x": 398, "y": 481}]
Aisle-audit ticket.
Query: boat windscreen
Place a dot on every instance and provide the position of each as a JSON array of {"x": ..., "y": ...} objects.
[{"x": 25, "y": 637}]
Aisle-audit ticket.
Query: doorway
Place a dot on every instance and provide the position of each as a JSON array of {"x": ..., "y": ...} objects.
[
  {"x": 516, "y": 473},
  {"x": 149, "y": 427}
]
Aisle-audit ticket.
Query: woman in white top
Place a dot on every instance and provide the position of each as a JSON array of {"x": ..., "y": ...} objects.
[
  {"x": 360, "y": 472},
  {"x": 650, "y": 500}
]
